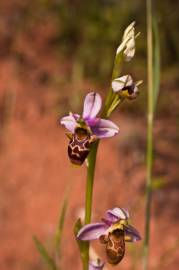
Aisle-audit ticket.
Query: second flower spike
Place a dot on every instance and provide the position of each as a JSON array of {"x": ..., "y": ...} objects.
[{"x": 86, "y": 129}]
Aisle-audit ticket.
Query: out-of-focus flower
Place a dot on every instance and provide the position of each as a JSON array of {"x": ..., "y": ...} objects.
[
  {"x": 113, "y": 231},
  {"x": 128, "y": 42},
  {"x": 126, "y": 87},
  {"x": 86, "y": 129},
  {"x": 96, "y": 265}
]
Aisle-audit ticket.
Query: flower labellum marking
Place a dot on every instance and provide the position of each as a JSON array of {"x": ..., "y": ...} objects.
[
  {"x": 115, "y": 246},
  {"x": 113, "y": 232},
  {"x": 79, "y": 145}
]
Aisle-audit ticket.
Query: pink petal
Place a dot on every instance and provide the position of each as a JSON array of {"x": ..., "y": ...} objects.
[
  {"x": 70, "y": 121},
  {"x": 92, "y": 231},
  {"x": 104, "y": 129},
  {"x": 96, "y": 265},
  {"x": 119, "y": 83},
  {"x": 92, "y": 105},
  {"x": 131, "y": 234},
  {"x": 115, "y": 214}
]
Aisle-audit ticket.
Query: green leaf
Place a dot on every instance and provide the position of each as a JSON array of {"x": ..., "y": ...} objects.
[
  {"x": 59, "y": 230},
  {"x": 156, "y": 62},
  {"x": 81, "y": 244},
  {"x": 44, "y": 254}
]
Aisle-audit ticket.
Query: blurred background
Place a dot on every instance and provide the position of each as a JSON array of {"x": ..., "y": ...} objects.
[{"x": 52, "y": 52}]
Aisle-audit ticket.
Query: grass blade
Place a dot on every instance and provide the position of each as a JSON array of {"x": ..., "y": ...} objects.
[
  {"x": 60, "y": 225},
  {"x": 44, "y": 254},
  {"x": 150, "y": 122},
  {"x": 156, "y": 62}
]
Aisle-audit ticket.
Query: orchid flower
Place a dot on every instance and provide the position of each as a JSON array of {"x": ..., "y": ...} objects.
[
  {"x": 86, "y": 129},
  {"x": 113, "y": 231},
  {"x": 96, "y": 265},
  {"x": 126, "y": 87}
]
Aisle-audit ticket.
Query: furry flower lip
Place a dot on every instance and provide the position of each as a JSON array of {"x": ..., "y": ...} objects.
[
  {"x": 113, "y": 232},
  {"x": 86, "y": 129}
]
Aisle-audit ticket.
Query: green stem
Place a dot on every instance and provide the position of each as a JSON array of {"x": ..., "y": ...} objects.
[
  {"x": 90, "y": 180},
  {"x": 111, "y": 95},
  {"x": 89, "y": 195},
  {"x": 92, "y": 160},
  {"x": 149, "y": 133}
]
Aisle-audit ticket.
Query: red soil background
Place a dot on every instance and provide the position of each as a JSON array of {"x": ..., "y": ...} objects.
[{"x": 35, "y": 171}]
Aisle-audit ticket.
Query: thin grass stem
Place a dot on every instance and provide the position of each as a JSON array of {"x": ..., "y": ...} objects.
[{"x": 149, "y": 133}]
